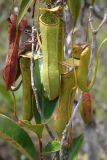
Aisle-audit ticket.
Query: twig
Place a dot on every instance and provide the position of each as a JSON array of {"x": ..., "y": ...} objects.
[
  {"x": 94, "y": 37},
  {"x": 41, "y": 149},
  {"x": 96, "y": 9},
  {"x": 93, "y": 43},
  {"x": 64, "y": 134},
  {"x": 49, "y": 132},
  {"x": 95, "y": 31},
  {"x": 103, "y": 21},
  {"x": 97, "y": 12},
  {"x": 33, "y": 11}
]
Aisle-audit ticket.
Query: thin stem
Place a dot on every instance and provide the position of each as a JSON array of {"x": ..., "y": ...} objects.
[
  {"x": 49, "y": 132},
  {"x": 41, "y": 149},
  {"x": 14, "y": 108},
  {"x": 15, "y": 88},
  {"x": 64, "y": 134},
  {"x": 94, "y": 38},
  {"x": 33, "y": 11},
  {"x": 37, "y": 14},
  {"x": 102, "y": 22}
]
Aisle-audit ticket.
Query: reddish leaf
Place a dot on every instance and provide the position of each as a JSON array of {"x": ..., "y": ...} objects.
[
  {"x": 23, "y": 24},
  {"x": 10, "y": 68},
  {"x": 12, "y": 28},
  {"x": 11, "y": 65}
]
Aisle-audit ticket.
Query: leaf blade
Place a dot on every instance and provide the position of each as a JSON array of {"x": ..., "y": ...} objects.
[
  {"x": 17, "y": 137},
  {"x": 77, "y": 142},
  {"x": 74, "y": 7},
  {"x": 25, "y": 4},
  {"x": 52, "y": 146}
]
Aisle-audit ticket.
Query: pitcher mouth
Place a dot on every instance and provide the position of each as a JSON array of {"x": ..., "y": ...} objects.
[{"x": 49, "y": 19}]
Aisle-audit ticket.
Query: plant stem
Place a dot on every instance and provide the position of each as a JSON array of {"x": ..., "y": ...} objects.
[
  {"x": 41, "y": 149},
  {"x": 49, "y": 132},
  {"x": 14, "y": 108},
  {"x": 94, "y": 37},
  {"x": 33, "y": 11},
  {"x": 15, "y": 88},
  {"x": 64, "y": 134}
]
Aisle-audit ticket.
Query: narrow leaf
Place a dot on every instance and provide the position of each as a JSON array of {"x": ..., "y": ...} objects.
[
  {"x": 74, "y": 6},
  {"x": 17, "y": 137},
  {"x": 76, "y": 144},
  {"x": 52, "y": 146},
  {"x": 25, "y": 4}
]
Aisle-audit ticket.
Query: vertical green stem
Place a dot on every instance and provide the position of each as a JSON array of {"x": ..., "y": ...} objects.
[{"x": 14, "y": 108}]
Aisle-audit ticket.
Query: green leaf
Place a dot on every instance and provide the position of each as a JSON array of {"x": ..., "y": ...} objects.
[
  {"x": 74, "y": 6},
  {"x": 76, "y": 145},
  {"x": 5, "y": 94},
  {"x": 37, "y": 128},
  {"x": 25, "y": 4},
  {"x": 47, "y": 106},
  {"x": 52, "y": 146},
  {"x": 16, "y": 136},
  {"x": 74, "y": 158}
]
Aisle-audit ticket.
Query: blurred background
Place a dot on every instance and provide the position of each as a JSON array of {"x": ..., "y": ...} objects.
[{"x": 95, "y": 135}]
